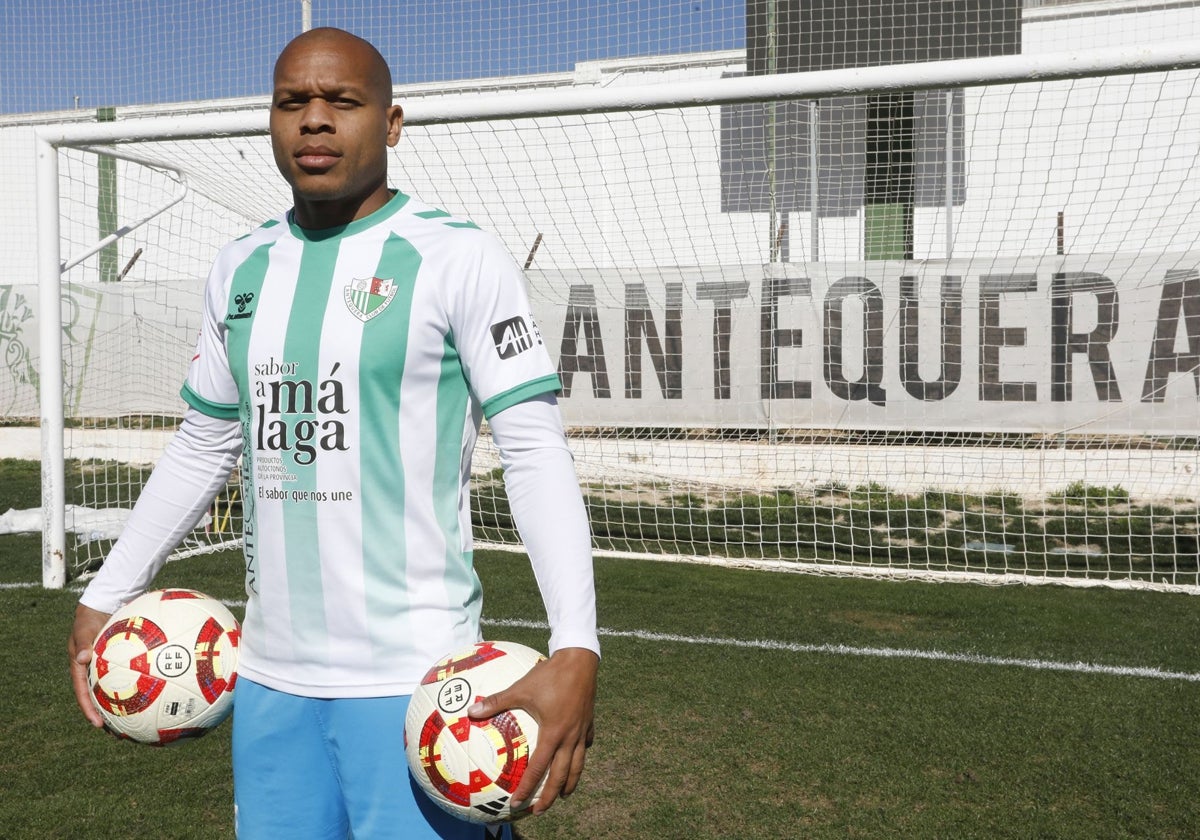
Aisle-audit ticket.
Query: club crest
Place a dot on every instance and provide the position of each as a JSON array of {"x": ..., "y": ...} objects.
[{"x": 368, "y": 296}]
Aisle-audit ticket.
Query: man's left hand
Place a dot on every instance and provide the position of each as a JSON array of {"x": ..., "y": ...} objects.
[{"x": 560, "y": 693}]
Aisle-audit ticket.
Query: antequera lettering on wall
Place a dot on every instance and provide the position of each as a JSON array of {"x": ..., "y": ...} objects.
[
  {"x": 1088, "y": 344},
  {"x": 1092, "y": 344}
]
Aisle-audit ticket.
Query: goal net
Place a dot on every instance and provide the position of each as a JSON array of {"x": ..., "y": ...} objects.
[{"x": 925, "y": 313}]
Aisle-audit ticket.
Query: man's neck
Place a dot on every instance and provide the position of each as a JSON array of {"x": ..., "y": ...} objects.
[{"x": 321, "y": 215}]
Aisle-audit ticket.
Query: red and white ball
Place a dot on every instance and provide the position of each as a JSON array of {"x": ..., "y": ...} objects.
[
  {"x": 164, "y": 667},
  {"x": 472, "y": 767}
]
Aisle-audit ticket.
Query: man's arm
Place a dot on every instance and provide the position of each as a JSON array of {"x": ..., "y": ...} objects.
[
  {"x": 544, "y": 495},
  {"x": 194, "y": 467}
]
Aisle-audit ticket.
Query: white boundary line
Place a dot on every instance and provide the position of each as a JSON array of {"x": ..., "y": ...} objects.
[
  {"x": 884, "y": 653},
  {"x": 836, "y": 650}
]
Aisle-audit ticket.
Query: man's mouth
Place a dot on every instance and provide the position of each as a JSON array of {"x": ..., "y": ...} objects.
[{"x": 316, "y": 158}]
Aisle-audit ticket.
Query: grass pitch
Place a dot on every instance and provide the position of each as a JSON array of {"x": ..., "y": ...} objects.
[{"x": 733, "y": 704}]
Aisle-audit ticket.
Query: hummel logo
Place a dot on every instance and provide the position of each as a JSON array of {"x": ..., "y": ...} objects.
[
  {"x": 242, "y": 301},
  {"x": 514, "y": 337}
]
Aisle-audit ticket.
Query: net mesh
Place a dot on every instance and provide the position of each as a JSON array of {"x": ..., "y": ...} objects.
[{"x": 979, "y": 355}]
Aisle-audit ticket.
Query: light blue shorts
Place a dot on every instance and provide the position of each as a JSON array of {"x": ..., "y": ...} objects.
[{"x": 330, "y": 769}]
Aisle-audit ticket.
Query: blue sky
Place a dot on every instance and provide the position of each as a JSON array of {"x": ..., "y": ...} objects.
[{"x": 60, "y": 54}]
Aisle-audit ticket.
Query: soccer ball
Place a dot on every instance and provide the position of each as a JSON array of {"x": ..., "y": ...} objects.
[
  {"x": 471, "y": 767},
  {"x": 164, "y": 667}
]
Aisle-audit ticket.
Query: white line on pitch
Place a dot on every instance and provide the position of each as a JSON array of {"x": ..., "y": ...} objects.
[
  {"x": 885, "y": 653},
  {"x": 840, "y": 650}
]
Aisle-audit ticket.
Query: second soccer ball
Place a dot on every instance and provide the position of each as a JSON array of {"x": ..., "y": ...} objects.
[{"x": 472, "y": 767}]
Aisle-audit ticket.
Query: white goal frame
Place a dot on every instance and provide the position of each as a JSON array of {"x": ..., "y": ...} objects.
[{"x": 480, "y": 107}]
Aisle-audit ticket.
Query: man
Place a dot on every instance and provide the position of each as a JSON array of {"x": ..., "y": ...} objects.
[{"x": 348, "y": 351}]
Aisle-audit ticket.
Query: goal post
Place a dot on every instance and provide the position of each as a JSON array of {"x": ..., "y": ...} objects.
[
  {"x": 50, "y": 391},
  {"x": 760, "y": 473}
]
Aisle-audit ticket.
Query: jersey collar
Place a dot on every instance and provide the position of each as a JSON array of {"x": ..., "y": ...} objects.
[{"x": 397, "y": 201}]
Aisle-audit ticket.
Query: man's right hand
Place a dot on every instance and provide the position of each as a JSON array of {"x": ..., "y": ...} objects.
[{"x": 88, "y": 624}]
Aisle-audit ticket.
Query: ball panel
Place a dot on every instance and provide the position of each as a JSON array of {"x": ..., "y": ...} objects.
[
  {"x": 466, "y": 659},
  {"x": 216, "y": 658},
  {"x": 512, "y": 747},
  {"x": 121, "y": 679},
  {"x": 179, "y": 594},
  {"x": 444, "y": 763}
]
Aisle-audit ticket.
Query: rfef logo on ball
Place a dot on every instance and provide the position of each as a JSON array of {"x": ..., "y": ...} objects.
[
  {"x": 173, "y": 660},
  {"x": 454, "y": 696}
]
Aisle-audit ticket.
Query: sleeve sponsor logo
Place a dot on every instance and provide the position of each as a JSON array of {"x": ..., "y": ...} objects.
[{"x": 514, "y": 336}]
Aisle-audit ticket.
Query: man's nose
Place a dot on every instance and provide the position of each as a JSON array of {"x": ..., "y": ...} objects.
[{"x": 317, "y": 116}]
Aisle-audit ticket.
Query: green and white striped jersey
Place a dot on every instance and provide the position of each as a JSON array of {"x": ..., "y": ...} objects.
[{"x": 360, "y": 361}]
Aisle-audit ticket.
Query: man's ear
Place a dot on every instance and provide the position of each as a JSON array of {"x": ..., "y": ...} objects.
[{"x": 395, "y": 121}]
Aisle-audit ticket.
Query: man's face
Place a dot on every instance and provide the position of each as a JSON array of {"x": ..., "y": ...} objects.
[{"x": 331, "y": 124}]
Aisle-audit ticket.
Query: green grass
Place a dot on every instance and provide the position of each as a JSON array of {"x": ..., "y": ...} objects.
[{"x": 699, "y": 738}]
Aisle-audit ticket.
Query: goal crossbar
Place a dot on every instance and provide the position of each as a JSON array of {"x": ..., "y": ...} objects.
[{"x": 433, "y": 110}]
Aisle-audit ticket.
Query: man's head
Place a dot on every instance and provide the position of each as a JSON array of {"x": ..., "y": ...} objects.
[{"x": 332, "y": 121}]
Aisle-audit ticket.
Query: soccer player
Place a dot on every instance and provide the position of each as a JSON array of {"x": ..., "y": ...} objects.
[{"x": 348, "y": 351}]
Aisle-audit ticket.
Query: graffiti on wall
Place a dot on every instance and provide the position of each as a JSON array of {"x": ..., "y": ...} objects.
[
  {"x": 19, "y": 379},
  {"x": 18, "y": 331}
]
